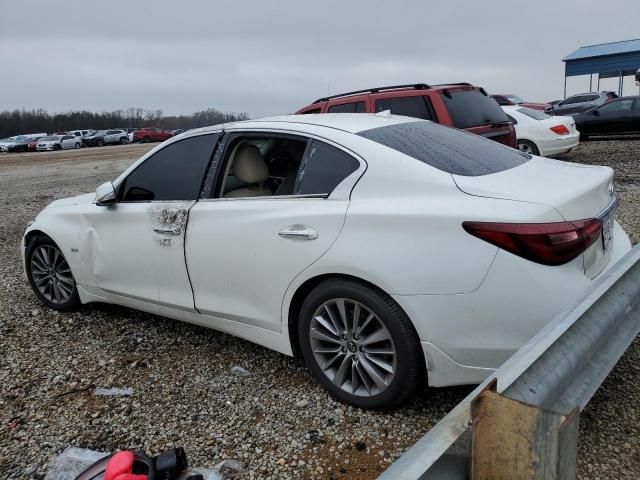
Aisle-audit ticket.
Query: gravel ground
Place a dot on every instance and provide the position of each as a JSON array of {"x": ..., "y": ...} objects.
[{"x": 269, "y": 413}]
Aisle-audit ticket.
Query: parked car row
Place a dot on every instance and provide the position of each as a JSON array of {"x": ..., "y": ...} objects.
[{"x": 84, "y": 138}]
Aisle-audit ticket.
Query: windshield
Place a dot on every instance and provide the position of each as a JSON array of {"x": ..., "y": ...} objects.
[
  {"x": 447, "y": 149},
  {"x": 515, "y": 99},
  {"x": 50, "y": 138},
  {"x": 471, "y": 108},
  {"x": 535, "y": 114}
]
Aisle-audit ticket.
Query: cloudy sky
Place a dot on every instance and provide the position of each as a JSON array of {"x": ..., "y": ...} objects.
[{"x": 272, "y": 57}]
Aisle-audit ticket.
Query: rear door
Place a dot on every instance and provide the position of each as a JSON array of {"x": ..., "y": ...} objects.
[
  {"x": 474, "y": 111},
  {"x": 243, "y": 252}
]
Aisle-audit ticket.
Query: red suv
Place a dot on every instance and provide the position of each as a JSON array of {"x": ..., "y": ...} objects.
[
  {"x": 459, "y": 105},
  {"x": 151, "y": 134}
]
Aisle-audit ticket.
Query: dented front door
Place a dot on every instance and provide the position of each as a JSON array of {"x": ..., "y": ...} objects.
[{"x": 137, "y": 251}]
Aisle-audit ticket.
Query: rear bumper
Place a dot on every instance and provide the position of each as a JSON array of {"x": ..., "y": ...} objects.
[
  {"x": 466, "y": 336},
  {"x": 559, "y": 145}
]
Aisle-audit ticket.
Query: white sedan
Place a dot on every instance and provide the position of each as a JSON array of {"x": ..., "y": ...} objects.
[
  {"x": 385, "y": 250},
  {"x": 540, "y": 134},
  {"x": 58, "y": 142}
]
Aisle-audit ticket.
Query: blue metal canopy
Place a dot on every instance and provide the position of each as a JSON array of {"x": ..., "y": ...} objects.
[{"x": 615, "y": 59}]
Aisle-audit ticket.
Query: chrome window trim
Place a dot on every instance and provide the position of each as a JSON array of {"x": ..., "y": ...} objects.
[{"x": 322, "y": 196}]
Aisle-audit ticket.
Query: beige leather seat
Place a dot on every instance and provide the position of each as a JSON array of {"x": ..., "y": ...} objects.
[{"x": 250, "y": 167}]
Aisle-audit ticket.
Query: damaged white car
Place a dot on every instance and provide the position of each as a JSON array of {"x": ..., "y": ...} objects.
[{"x": 386, "y": 250}]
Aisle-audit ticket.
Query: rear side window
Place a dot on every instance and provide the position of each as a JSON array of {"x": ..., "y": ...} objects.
[
  {"x": 471, "y": 108},
  {"x": 535, "y": 114},
  {"x": 354, "y": 107},
  {"x": 415, "y": 106},
  {"x": 173, "y": 173},
  {"x": 323, "y": 168},
  {"x": 447, "y": 149},
  {"x": 313, "y": 110}
]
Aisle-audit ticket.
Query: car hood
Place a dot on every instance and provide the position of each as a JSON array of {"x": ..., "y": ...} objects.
[
  {"x": 575, "y": 191},
  {"x": 77, "y": 200}
]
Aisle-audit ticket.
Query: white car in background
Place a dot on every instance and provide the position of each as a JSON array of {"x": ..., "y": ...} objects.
[
  {"x": 58, "y": 142},
  {"x": 387, "y": 250},
  {"x": 540, "y": 134}
]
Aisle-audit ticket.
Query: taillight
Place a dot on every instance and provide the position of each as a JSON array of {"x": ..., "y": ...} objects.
[
  {"x": 560, "y": 130},
  {"x": 545, "y": 243}
]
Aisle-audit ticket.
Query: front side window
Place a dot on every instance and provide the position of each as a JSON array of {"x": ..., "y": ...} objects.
[
  {"x": 471, "y": 108},
  {"x": 624, "y": 105},
  {"x": 413, "y": 106},
  {"x": 173, "y": 173},
  {"x": 447, "y": 149}
]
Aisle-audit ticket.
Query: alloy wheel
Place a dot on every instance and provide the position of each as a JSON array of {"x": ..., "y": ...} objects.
[
  {"x": 52, "y": 275},
  {"x": 525, "y": 147},
  {"x": 352, "y": 347}
]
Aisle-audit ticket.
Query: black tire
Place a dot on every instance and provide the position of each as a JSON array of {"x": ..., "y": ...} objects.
[
  {"x": 409, "y": 367},
  {"x": 78, "y": 145},
  {"x": 123, "y": 141},
  {"x": 73, "y": 300},
  {"x": 57, "y": 147},
  {"x": 99, "y": 143},
  {"x": 528, "y": 147},
  {"x": 145, "y": 140}
]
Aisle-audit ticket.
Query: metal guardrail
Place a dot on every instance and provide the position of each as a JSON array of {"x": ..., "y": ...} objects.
[{"x": 522, "y": 421}]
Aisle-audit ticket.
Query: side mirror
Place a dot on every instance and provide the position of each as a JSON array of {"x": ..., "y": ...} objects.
[{"x": 105, "y": 194}]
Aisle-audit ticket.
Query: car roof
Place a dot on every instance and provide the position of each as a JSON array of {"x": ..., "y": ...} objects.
[{"x": 348, "y": 122}]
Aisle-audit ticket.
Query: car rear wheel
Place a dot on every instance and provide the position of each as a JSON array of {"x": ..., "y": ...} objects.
[
  {"x": 145, "y": 140},
  {"x": 528, "y": 147},
  {"x": 123, "y": 141},
  {"x": 50, "y": 275},
  {"x": 100, "y": 143},
  {"x": 78, "y": 145},
  {"x": 359, "y": 344},
  {"x": 57, "y": 147}
]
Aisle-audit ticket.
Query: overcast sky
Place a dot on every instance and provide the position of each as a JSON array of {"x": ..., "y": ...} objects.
[{"x": 274, "y": 57}]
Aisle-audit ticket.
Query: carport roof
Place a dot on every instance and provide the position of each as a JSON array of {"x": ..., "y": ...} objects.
[{"x": 604, "y": 49}]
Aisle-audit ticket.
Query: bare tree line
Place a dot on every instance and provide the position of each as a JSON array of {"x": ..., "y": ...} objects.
[{"x": 40, "y": 120}]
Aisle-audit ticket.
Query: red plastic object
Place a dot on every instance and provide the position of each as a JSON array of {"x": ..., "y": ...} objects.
[{"x": 120, "y": 467}]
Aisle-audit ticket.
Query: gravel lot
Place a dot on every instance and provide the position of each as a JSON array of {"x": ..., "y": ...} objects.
[{"x": 271, "y": 415}]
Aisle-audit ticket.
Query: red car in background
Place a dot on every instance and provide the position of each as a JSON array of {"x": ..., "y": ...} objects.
[
  {"x": 509, "y": 99},
  {"x": 459, "y": 105},
  {"x": 31, "y": 146},
  {"x": 151, "y": 134}
]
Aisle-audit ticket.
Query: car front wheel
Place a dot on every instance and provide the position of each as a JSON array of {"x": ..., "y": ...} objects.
[
  {"x": 50, "y": 275},
  {"x": 360, "y": 344}
]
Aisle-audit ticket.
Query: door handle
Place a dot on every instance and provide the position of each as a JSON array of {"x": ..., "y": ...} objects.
[
  {"x": 168, "y": 229},
  {"x": 299, "y": 232}
]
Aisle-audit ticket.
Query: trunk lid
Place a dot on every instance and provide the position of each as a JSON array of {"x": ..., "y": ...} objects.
[{"x": 576, "y": 191}]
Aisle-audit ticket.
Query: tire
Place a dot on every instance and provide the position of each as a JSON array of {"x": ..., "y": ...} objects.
[
  {"x": 527, "y": 147},
  {"x": 50, "y": 275},
  {"x": 123, "y": 141},
  {"x": 99, "y": 143},
  {"x": 57, "y": 147},
  {"x": 77, "y": 145},
  {"x": 398, "y": 348},
  {"x": 145, "y": 140}
]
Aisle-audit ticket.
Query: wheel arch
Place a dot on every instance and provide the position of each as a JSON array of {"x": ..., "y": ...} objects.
[{"x": 302, "y": 291}]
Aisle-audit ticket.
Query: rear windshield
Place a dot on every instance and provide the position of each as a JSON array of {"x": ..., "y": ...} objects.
[
  {"x": 535, "y": 114},
  {"x": 471, "y": 108},
  {"x": 447, "y": 149}
]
